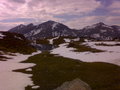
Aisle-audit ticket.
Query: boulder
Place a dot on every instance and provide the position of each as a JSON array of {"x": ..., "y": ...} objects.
[{"x": 76, "y": 84}]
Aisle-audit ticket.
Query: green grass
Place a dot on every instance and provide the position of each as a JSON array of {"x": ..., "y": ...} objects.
[
  {"x": 58, "y": 41},
  {"x": 11, "y": 44},
  {"x": 3, "y": 58},
  {"x": 52, "y": 70},
  {"x": 42, "y": 41},
  {"x": 82, "y": 48},
  {"x": 104, "y": 44}
]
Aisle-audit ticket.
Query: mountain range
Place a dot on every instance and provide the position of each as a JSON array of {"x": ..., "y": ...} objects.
[{"x": 49, "y": 29}]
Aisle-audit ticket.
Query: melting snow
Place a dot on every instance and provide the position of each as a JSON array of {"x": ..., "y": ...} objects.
[
  {"x": 35, "y": 87},
  {"x": 29, "y": 69},
  {"x": 33, "y": 32},
  {"x": 1, "y": 36},
  {"x": 111, "y": 55},
  {"x": 10, "y": 80},
  {"x": 67, "y": 40},
  {"x": 103, "y": 31},
  {"x": 107, "y": 26},
  {"x": 18, "y": 37},
  {"x": 97, "y": 35},
  {"x": 51, "y": 40}
]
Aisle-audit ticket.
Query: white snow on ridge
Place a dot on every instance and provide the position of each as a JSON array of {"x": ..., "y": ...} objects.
[
  {"x": 10, "y": 80},
  {"x": 67, "y": 40},
  {"x": 112, "y": 55},
  {"x": 1, "y": 36},
  {"x": 33, "y": 32},
  {"x": 107, "y": 26},
  {"x": 103, "y": 31},
  {"x": 51, "y": 40},
  {"x": 107, "y": 48},
  {"x": 90, "y": 27},
  {"x": 97, "y": 35},
  {"x": 37, "y": 31},
  {"x": 18, "y": 37},
  {"x": 54, "y": 25}
]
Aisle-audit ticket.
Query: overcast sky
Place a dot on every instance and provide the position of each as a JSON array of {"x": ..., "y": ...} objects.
[{"x": 74, "y": 13}]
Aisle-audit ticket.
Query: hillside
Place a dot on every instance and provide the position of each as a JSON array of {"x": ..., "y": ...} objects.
[{"x": 13, "y": 42}]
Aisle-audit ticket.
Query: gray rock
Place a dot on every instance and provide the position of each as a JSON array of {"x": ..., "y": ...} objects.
[{"x": 76, "y": 84}]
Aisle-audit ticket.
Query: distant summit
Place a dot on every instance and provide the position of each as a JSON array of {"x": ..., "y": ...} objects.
[{"x": 101, "y": 31}]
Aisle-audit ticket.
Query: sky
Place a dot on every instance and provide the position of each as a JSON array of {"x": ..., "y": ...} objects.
[{"x": 73, "y": 13}]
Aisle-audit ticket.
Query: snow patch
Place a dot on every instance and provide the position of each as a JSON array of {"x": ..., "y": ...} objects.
[
  {"x": 67, "y": 40},
  {"x": 51, "y": 40},
  {"x": 1, "y": 36},
  {"x": 33, "y": 32},
  {"x": 35, "y": 87},
  {"x": 29, "y": 69},
  {"x": 54, "y": 25},
  {"x": 103, "y": 31},
  {"x": 10, "y": 80},
  {"x": 107, "y": 26},
  {"x": 97, "y": 35},
  {"x": 18, "y": 37},
  {"x": 111, "y": 54}
]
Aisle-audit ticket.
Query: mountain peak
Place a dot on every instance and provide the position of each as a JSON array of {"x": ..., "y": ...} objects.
[
  {"x": 31, "y": 24},
  {"x": 51, "y": 21},
  {"x": 100, "y": 24},
  {"x": 21, "y": 26}
]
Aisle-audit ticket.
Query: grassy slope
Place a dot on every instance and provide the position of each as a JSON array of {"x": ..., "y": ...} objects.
[
  {"x": 42, "y": 41},
  {"x": 82, "y": 48},
  {"x": 58, "y": 41},
  {"x": 11, "y": 44},
  {"x": 51, "y": 71},
  {"x": 104, "y": 44}
]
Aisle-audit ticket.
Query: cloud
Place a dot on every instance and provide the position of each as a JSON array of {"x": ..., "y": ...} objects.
[
  {"x": 64, "y": 6},
  {"x": 115, "y": 7},
  {"x": 40, "y": 8},
  {"x": 113, "y": 19},
  {"x": 75, "y": 13},
  {"x": 89, "y": 20},
  {"x": 117, "y": 11},
  {"x": 7, "y": 26},
  {"x": 84, "y": 21},
  {"x": 19, "y": 1},
  {"x": 12, "y": 20},
  {"x": 43, "y": 10}
]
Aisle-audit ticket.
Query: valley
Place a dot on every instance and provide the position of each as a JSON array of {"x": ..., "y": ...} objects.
[{"x": 46, "y": 56}]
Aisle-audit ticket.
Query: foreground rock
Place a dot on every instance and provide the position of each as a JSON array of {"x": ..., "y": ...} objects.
[{"x": 76, "y": 84}]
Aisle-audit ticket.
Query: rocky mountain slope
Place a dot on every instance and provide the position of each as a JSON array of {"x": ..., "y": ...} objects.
[
  {"x": 44, "y": 30},
  {"x": 99, "y": 31}
]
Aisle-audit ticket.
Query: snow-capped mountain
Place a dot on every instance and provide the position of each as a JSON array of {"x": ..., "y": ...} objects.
[
  {"x": 46, "y": 29},
  {"x": 101, "y": 31}
]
